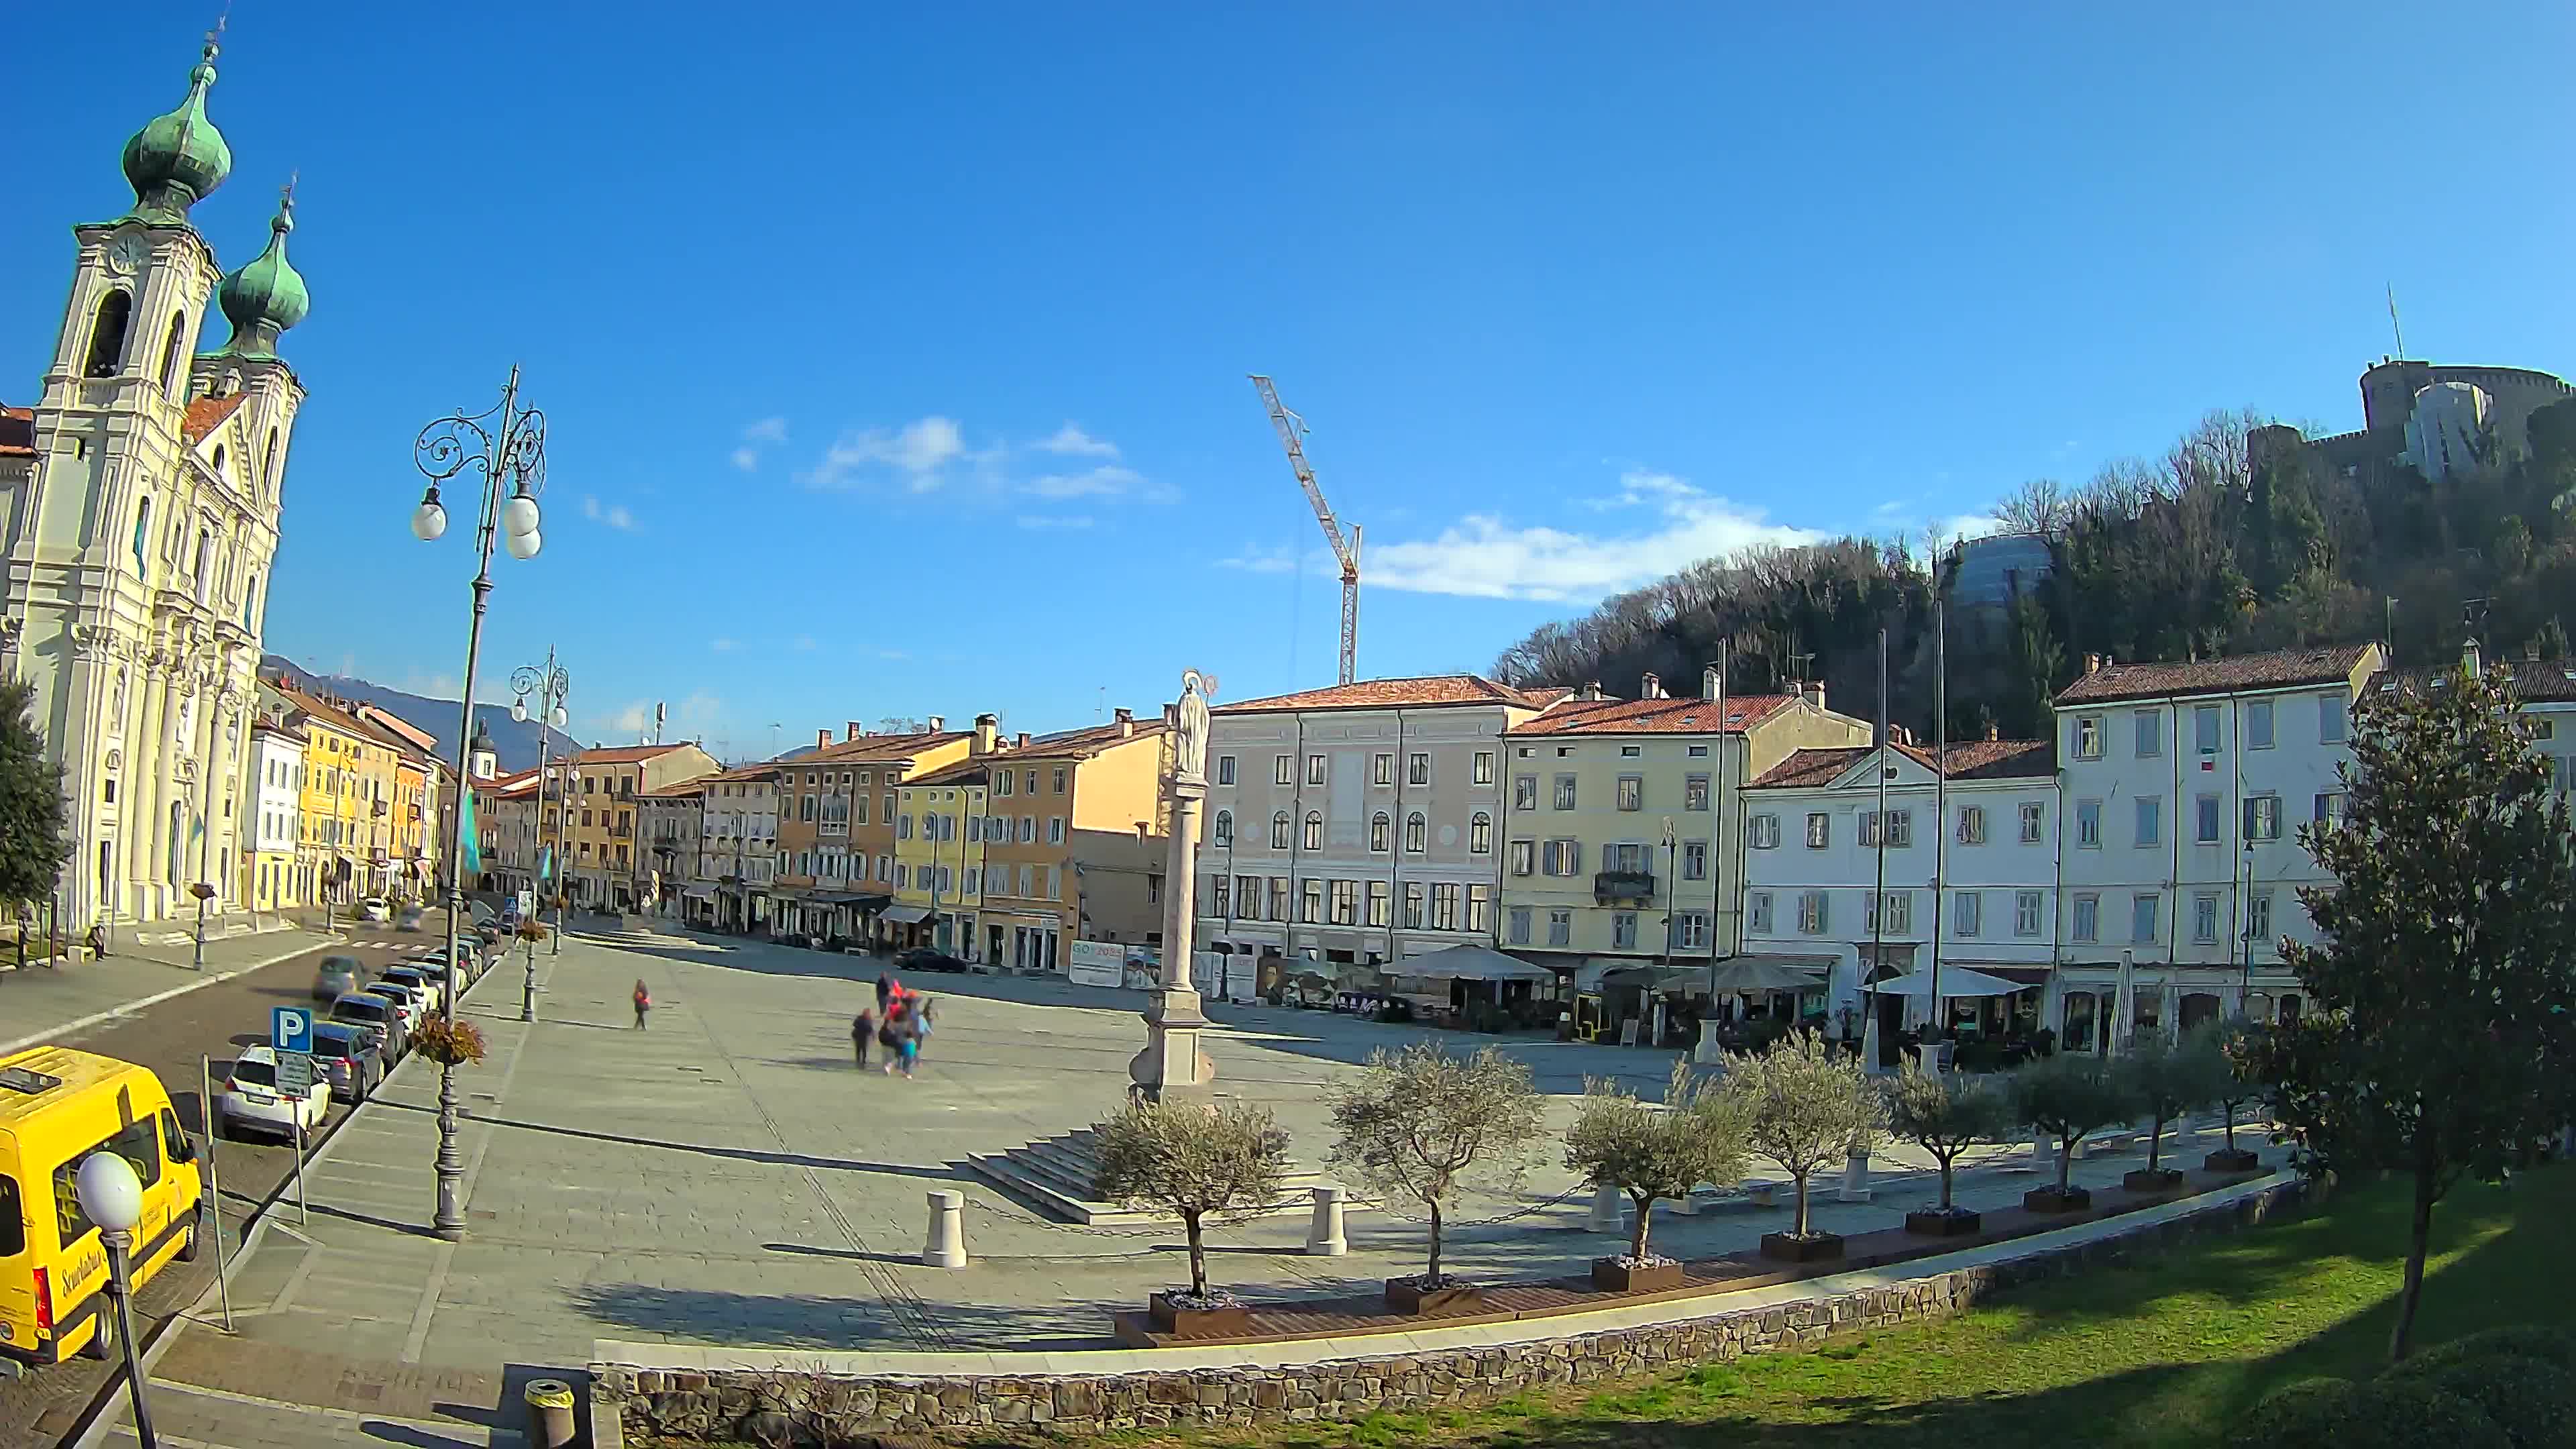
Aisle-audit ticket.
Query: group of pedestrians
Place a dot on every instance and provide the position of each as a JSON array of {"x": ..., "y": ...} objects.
[{"x": 900, "y": 1023}]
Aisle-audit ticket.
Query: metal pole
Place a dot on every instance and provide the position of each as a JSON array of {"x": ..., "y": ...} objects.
[
  {"x": 1878, "y": 901},
  {"x": 1941, "y": 798},
  {"x": 303, "y": 1216},
  {"x": 121, "y": 1289},
  {"x": 214, "y": 1185}
]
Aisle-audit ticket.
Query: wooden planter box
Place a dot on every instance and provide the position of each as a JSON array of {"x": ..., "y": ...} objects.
[
  {"x": 2162, "y": 1179},
  {"x": 1193, "y": 1322},
  {"x": 1934, "y": 1223},
  {"x": 1813, "y": 1248},
  {"x": 2050, "y": 1200},
  {"x": 1407, "y": 1295},
  {"x": 2230, "y": 1159},
  {"x": 1610, "y": 1276}
]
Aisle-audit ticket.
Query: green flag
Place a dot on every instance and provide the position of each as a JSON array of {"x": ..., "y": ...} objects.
[{"x": 473, "y": 838}]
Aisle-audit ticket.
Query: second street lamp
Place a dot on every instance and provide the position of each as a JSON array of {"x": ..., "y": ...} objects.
[
  {"x": 550, "y": 684},
  {"x": 507, "y": 446}
]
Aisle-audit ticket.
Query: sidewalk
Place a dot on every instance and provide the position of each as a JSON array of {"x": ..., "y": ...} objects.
[{"x": 40, "y": 1003}]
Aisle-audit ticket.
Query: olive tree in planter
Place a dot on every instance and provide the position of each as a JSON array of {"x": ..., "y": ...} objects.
[
  {"x": 2069, "y": 1096},
  {"x": 1945, "y": 1116},
  {"x": 2237, "y": 1085},
  {"x": 1194, "y": 1161},
  {"x": 1652, "y": 1152},
  {"x": 1425, "y": 1124},
  {"x": 1806, "y": 1107},
  {"x": 2169, "y": 1079}
]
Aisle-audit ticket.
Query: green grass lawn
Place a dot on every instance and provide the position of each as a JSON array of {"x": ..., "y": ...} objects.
[{"x": 2159, "y": 1354}]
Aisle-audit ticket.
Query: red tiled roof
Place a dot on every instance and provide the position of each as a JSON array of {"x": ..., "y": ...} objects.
[
  {"x": 624, "y": 754},
  {"x": 2280, "y": 669},
  {"x": 1969, "y": 760},
  {"x": 875, "y": 747},
  {"x": 965, "y": 772},
  {"x": 17, "y": 432},
  {"x": 1084, "y": 743},
  {"x": 2535, "y": 680},
  {"x": 1652, "y": 716},
  {"x": 1424, "y": 692},
  {"x": 208, "y": 413}
]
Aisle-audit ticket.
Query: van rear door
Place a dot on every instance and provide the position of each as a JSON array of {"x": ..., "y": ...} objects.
[{"x": 17, "y": 1259}]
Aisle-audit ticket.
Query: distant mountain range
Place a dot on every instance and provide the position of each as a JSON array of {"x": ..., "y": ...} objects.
[{"x": 515, "y": 742}]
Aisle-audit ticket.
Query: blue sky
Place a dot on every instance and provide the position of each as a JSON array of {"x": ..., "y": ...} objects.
[{"x": 895, "y": 357}]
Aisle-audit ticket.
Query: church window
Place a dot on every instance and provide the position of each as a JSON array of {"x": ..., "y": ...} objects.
[
  {"x": 142, "y": 535},
  {"x": 250, "y": 605},
  {"x": 268, "y": 465},
  {"x": 219, "y": 458},
  {"x": 107, "y": 335},
  {"x": 170, "y": 353}
]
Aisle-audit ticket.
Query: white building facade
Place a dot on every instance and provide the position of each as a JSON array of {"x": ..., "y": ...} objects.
[
  {"x": 2184, "y": 787},
  {"x": 139, "y": 504},
  {"x": 1313, "y": 846},
  {"x": 276, "y": 770},
  {"x": 737, "y": 849},
  {"x": 1975, "y": 888}
]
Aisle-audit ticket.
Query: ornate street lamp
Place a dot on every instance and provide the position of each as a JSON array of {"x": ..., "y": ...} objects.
[
  {"x": 111, "y": 1196},
  {"x": 507, "y": 446},
  {"x": 550, "y": 684}
]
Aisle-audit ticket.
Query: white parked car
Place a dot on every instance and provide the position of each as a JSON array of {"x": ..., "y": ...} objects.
[
  {"x": 252, "y": 1101},
  {"x": 375, "y": 908},
  {"x": 424, "y": 979},
  {"x": 411, "y": 1008}
]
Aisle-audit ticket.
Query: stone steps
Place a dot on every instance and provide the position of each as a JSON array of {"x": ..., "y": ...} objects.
[{"x": 1055, "y": 1175}]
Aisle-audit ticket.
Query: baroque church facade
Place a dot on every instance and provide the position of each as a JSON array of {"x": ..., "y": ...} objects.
[{"x": 140, "y": 503}]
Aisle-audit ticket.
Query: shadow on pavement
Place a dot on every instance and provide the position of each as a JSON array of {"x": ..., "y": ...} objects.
[
  {"x": 904, "y": 1323},
  {"x": 941, "y": 1172}
]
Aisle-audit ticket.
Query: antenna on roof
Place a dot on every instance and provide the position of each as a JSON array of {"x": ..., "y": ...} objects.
[{"x": 2393, "y": 325}]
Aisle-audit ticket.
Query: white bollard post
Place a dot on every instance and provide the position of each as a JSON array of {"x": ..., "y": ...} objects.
[
  {"x": 1855, "y": 1178},
  {"x": 1324, "y": 1233},
  {"x": 2043, "y": 1153},
  {"x": 1686, "y": 1205},
  {"x": 1707, "y": 1052},
  {"x": 947, "y": 1245},
  {"x": 1606, "y": 1202}
]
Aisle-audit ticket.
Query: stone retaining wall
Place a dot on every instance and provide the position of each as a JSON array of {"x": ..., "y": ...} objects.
[{"x": 790, "y": 1407}]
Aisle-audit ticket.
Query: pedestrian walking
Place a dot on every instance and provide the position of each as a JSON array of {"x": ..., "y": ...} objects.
[
  {"x": 901, "y": 1039},
  {"x": 863, "y": 1029},
  {"x": 925, "y": 1011},
  {"x": 887, "y": 990},
  {"x": 643, "y": 1003}
]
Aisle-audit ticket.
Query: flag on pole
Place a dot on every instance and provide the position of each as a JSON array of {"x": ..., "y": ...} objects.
[{"x": 473, "y": 838}]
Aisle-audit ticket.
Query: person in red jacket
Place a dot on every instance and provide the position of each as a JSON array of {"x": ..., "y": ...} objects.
[{"x": 643, "y": 1003}]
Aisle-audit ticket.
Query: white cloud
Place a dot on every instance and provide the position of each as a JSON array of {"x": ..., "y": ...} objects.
[
  {"x": 688, "y": 717},
  {"x": 767, "y": 430},
  {"x": 1072, "y": 441},
  {"x": 916, "y": 452},
  {"x": 634, "y": 719},
  {"x": 746, "y": 458},
  {"x": 1064, "y": 520},
  {"x": 1107, "y": 481},
  {"x": 1254, "y": 558},
  {"x": 612, "y": 514},
  {"x": 1484, "y": 556},
  {"x": 724, "y": 646}
]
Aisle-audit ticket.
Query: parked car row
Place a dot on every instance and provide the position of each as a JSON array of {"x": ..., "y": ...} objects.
[{"x": 367, "y": 1027}]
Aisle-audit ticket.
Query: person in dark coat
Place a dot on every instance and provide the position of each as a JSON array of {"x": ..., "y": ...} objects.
[{"x": 863, "y": 1029}]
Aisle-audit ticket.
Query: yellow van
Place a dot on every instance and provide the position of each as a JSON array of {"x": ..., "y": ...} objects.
[{"x": 57, "y": 1106}]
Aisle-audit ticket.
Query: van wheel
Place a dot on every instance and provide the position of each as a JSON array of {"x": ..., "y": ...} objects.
[
  {"x": 188, "y": 1243},
  {"x": 102, "y": 1343}
]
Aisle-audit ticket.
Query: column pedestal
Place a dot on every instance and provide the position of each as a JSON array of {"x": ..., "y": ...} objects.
[{"x": 1172, "y": 1065}]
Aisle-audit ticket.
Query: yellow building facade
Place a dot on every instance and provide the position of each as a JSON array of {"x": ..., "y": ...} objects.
[{"x": 939, "y": 855}]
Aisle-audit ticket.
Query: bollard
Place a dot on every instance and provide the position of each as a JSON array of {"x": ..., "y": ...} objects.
[
  {"x": 1606, "y": 1201},
  {"x": 1324, "y": 1232},
  {"x": 1855, "y": 1178},
  {"x": 2043, "y": 1155},
  {"x": 947, "y": 1246},
  {"x": 549, "y": 1414},
  {"x": 1762, "y": 1194}
]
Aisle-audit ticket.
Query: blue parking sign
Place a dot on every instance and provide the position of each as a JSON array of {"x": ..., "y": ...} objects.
[{"x": 290, "y": 1029}]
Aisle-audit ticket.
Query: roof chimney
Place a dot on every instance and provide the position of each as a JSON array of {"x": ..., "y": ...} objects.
[
  {"x": 1708, "y": 682},
  {"x": 1815, "y": 693},
  {"x": 986, "y": 727},
  {"x": 937, "y": 723},
  {"x": 2092, "y": 663},
  {"x": 1023, "y": 742},
  {"x": 822, "y": 739},
  {"x": 854, "y": 732},
  {"x": 1590, "y": 691},
  {"x": 1651, "y": 686},
  {"x": 1126, "y": 723}
]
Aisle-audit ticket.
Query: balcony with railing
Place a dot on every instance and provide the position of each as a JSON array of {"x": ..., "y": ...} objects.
[{"x": 1610, "y": 886}]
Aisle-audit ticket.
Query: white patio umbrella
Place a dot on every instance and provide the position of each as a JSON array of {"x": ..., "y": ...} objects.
[{"x": 1956, "y": 981}]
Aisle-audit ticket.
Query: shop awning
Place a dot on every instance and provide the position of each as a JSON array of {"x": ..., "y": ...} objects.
[
  {"x": 1768, "y": 973},
  {"x": 699, "y": 892},
  {"x": 1650, "y": 976},
  {"x": 1470, "y": 963},
  {"x": 1956, "y": 981},
  {"x": 907, "y": 915}
]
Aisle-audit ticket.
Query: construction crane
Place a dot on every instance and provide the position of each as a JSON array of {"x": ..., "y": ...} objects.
[{"x": 1347, "y": 550}]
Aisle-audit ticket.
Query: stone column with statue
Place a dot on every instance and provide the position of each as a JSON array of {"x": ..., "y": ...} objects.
[{"x": 1173, "y": 1064}]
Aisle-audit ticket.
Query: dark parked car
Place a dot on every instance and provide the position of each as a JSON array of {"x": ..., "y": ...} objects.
[
  {"x": 352, "y": 1056},
  {"x": 927, "y": 958},
  {"x": 360, "y": 1008}
]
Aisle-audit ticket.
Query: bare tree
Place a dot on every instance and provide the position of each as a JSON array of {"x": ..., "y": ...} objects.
[
  {"x": 1653, "y": 1152},
  {"x": 1424, "y": 1124},
  {"x": 1193, "y": 1161},
  {"x": 1807, "y": 1105}
]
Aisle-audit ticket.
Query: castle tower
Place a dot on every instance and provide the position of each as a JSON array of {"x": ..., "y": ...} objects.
[{"x": 138, "y": 537}]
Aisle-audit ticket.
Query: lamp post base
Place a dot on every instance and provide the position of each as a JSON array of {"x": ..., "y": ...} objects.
[{"x": 449, "y": 1220}]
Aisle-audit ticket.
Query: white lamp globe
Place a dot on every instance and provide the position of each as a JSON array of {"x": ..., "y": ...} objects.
[
  {"x": 428, "y": 521},
  {"x": 109, "y": 1193},
  {"x": 519, "y": 709},
  {"x": 519, "y": 515},
  {"x": 559, "y": 719},
  {"x": 524, "y": 545}
]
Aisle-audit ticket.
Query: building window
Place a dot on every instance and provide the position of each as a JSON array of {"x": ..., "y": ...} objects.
[
  {"x": 1525, "y": 792},
  {"x": 2150, "y": 733},
  {"x": 2087, "y": 925},
  {"x": 1632, "y": 792},
  {"x": 1225, "y": 828},
  {"x": 1484, "y": 774},
  {"x": 1417, "y": 769},
  {"x": 1694, "y": 860},
  {"x": 2151, "y": 819},
  {"x": 2258, "y": 921},
  {"x": 2262, "y": 817},
  {"x": 1524, "y": 856},
  {"x": 1221, "y": 896},
  {"x": 1224, "y": 772},
  {"x": 1314, "y": 769},
  {"x": 1972, "y": 825},
  {"x": 1284, "y": 772},
  {"x": 2088, "y": 737},
  {"x": 107, "y": 334},
  {"x": 1763, "y": 832},
  {"x": 2026, "y": 908},
  {"x": 1480, "y": 834},
  {"x": 1757, "y": 912},
  {"x": 1695, "y": 792},
  {"x": 1630, "y": 752},
  {"x": 1623, "y": 930},
  {"x": 1820, "y": 830},
  {"x": 2088, "y": 824},
  {"x": 1279, "y": 828},
  {"x": 1480, "y": 908},
  {"x": 1379, "y": 825},
  {"x": 1517, "y": 930},
  {"x": 1560, "y": 928},
  {"x": 1279, "y": 898},
  {"x": 2331, "y": 712},
  {"x": 1814, "y": 913},
  {"x": 1899, "y": 907},
  {"x": 1346, "y": 902},
  {"x": 1377, "y": 903},
  {"x": 2329, "y": 807},
  {"x": 2204, "y": 729},
  {"x": 1561, "y": 857},
  {"x": 1416, "y": 833},
  {"x": 2142, "y": 918},
  {"x": 1565, "y": 792},
  {"x": 1314, "y": 830},
  {"x": 1413, "y": 905},
  {"x": 2258, "y": 725},
  {"x": 2034, "y": 820},
  {"x": 1967, "y": 914},
  {"x": 2204, "y": 918},
  {"x": 1314, "y": 903}
]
